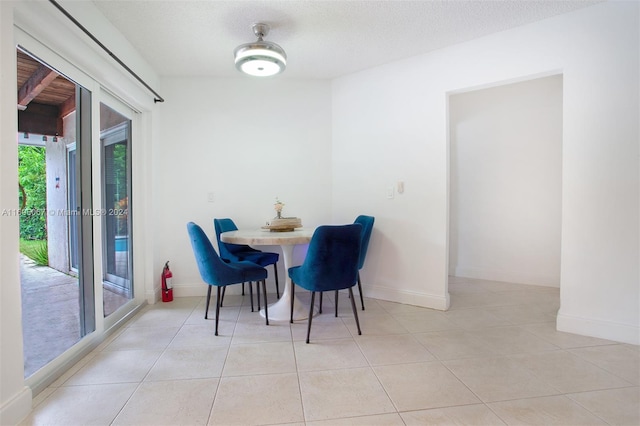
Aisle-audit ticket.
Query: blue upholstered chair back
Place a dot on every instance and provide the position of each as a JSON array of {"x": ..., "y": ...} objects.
[
  {"x": 213, "y": 270},
  {"x": 228, "y": 251},
  {"x": 332, "y": 258},
  {"x": 367, "y": 227}
]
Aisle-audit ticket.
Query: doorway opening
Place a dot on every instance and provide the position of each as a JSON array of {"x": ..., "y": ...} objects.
[{"x": 506, "y": 183}]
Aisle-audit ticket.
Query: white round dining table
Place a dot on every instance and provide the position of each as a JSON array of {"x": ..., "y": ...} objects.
[{"x": 281, "y": 310}]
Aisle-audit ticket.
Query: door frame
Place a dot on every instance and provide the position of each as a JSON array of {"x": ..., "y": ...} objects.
[{"x": 103, "y": 327}]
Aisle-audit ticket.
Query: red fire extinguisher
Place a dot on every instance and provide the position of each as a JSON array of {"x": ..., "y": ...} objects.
[{"x": 167, "y": 288}]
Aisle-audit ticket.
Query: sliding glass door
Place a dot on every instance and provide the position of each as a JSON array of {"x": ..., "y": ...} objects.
[
  {"x": 55, "y": 166},
  {"x": 117, "y": 256},
  {"x": 75, "y": 194}
]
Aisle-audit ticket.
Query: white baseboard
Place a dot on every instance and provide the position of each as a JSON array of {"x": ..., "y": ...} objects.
[
  {"x": 393, "y": 294},
  {"x": 17, "y": 408},
  {"x": 516, "y": 277},
  {"x": 618, "y": 332},
  {"x": 200, "y": 290},
  {"x": 190, "y": 290},
  {"x": 154, "y": 295}
]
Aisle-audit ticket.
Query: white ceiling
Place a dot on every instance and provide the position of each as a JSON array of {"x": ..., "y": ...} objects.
[{"x": 323, "y": 39}]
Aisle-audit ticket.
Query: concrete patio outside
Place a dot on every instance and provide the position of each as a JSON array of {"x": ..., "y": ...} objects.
[{"x": 50, "y": 313}]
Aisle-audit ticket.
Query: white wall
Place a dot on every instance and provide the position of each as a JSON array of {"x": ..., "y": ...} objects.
[
  {"x": 506, "y": 182},
  {"x": 384, "y": 131},
  {"x": 247, "y": 141},
  {"x": 390, "y": 123},
  {"x": 57, "y": 166}
]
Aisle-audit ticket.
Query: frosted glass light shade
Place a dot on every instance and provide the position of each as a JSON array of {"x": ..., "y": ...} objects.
[{"x": 260, "y": 58}]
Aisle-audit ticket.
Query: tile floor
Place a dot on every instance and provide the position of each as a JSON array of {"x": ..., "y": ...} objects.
[{"x": 494, "y": 358}]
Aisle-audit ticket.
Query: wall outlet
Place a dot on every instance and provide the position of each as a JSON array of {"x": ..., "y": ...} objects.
[
  {"x": 210, "y": 197},
  {"x": 390, "y": 192}
]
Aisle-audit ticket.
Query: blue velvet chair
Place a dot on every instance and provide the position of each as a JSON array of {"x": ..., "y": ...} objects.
[
  {"x": 331, "y": 264},
  {"x": 243, "y": 252},
  {"x": 215, "y": 272},
  {"x": 367, "y": 227}
]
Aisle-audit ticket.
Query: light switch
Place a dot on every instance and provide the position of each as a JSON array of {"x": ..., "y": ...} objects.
[
  {"x": 400, "y": 186},
  {"x": 210, "y": 197}
]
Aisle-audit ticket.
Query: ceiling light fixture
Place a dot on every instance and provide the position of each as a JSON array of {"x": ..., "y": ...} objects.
[{"x": 260, "y": 58}]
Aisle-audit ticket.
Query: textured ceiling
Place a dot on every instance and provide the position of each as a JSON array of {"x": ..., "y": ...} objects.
[{"x": 323, "y": 39}]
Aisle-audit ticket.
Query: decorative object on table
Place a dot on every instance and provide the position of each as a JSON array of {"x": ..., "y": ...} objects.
[
  {"x": 242, "y": 252},
  {"x": 278, "y": 208},
  {"x": 285, "y": 224},
  {"x": 337, "y": 271},
  {"x": 282, "y": 224},
  {"x": 216, "y": 272}
]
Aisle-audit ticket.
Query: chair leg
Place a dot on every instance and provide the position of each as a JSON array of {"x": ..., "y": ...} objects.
[
  {"x": 336, "y": 302},
  {"x": 313, "y": 296},
  {"x": 275, "y": 270},
  {"x": 320, "y": 310},
  {"x": 355, "y": 311},
  {"x": 293, "y": 291},
  {"x": 243, "y": 289},
  {"x": 360, "y": 291},
  {"x": 217, "y": 308},
  {"x": 224, "y": 289},
  {"x": 266, "y": 312},
  {"x": 206, "y": 309},
  {"x": 257, "y": 293},
  {"x": 251, "y": 295}
]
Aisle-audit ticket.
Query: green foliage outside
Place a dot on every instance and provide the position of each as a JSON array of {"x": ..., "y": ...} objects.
[
  {"x": 35, "y": 250},
  {"x": 118, "y": 168},
  {"x": 32, "y": 178}
]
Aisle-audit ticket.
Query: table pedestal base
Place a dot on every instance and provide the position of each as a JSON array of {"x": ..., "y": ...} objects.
[{"x": 280, "y": 311}]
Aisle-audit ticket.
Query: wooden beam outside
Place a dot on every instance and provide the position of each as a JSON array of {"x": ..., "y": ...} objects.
[
  {"x": 110, "y": 118},
  {"x": 40, "y": 119},
  {"x": 38, "y": 81},
  {"x": 68, "y": 106}
]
